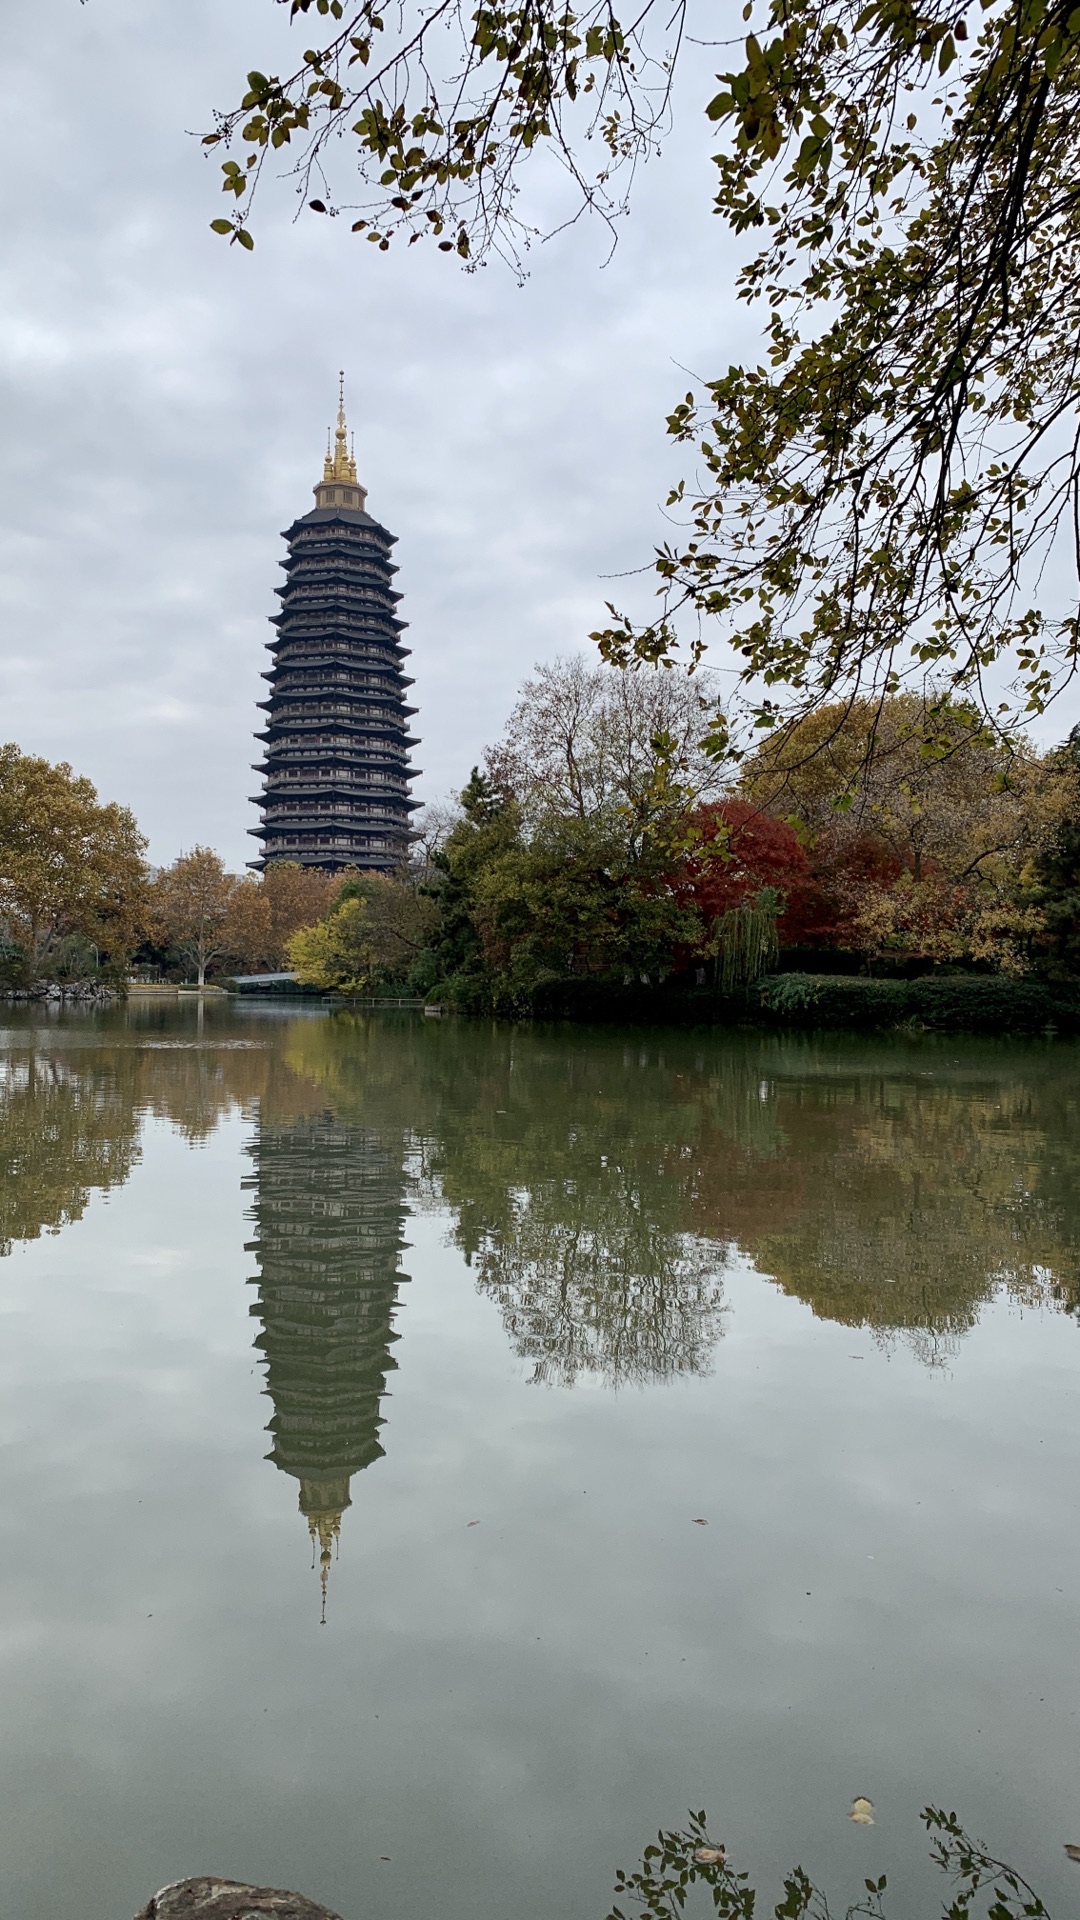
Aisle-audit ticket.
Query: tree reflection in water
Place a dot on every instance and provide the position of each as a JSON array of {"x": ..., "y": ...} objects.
[
  {"x": 627, "y": 1303},
  {"x": 911, "y": 1185},
  {"x": 598, "y": 1184},
  {"x": 64, "y": 1134}
]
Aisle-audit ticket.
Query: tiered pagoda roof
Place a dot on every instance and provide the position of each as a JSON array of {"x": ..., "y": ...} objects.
[{"x": 336, "y": 765}]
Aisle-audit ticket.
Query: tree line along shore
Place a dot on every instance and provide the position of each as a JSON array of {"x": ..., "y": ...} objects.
[{"x": 881, "y": 862}]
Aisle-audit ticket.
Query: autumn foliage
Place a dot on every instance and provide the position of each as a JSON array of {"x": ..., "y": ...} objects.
[
  {"x": 904, "y": 835},
  {"x": 737, "y": 849}
]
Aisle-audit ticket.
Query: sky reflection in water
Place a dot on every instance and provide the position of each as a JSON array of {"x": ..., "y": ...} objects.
[{"x": 822, "y": 1294}]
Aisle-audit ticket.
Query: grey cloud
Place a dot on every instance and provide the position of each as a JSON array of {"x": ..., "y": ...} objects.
[{"x": 166, "y": 400}]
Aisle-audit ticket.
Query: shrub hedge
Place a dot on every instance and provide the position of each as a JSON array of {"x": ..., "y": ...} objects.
[
  {"x": 956, "y": 1003},
  {"x": 947, "y": 1003}
]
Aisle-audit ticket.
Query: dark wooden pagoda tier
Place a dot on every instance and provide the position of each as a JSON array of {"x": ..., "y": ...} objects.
[{"x": 336, "y": 767}]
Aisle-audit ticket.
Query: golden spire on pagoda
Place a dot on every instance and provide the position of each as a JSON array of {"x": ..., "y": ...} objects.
[
  {"x": 342, "y": 466},
  {"x": 339, "y": 485}
]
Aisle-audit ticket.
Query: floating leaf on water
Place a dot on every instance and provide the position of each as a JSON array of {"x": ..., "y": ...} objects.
[
  {"x": 710, "y": 1856},
  {"x": 699, "y": 1523},
  {"x": 1072, "y": 1851},
  {"x": 862, "y": 1811}
]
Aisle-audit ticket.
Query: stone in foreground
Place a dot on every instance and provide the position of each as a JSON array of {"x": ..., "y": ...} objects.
[{"x": 208, "y": 1898}]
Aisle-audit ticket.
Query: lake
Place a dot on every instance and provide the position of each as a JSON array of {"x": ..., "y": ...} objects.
[{"x": 437, "y": 1454}]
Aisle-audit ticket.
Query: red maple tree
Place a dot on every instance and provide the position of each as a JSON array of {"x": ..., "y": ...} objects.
[{"x": 737, "y": 849}]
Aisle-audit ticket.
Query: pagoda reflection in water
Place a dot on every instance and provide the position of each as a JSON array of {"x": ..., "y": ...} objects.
[{"x": 328, "y": 1210}]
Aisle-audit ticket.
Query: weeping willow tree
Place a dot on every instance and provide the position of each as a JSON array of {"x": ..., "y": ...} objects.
[{"x": 744, "y": 940}]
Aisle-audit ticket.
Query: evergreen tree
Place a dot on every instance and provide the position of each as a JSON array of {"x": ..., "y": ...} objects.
[{"x": 1056, "y": 870}]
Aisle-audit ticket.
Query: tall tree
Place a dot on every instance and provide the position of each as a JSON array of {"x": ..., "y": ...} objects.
[
  {"x": 296, "y": 896},
  {"x": 569, "y": 902},
  {"x": 69, "y": 864},
  {"x": 919, "y": 817},
  {"x": 190, "y": 907},
  {"x": 558, "y": 866},
  {"x": 926, "y": 777},
  {"x": 489, "y": 827},
  {"x": 617, "y": 751},
  {"x": 883, "y": 486},
  {"x": 264, "y": 914},
  {"x": 375, "y": 932}
]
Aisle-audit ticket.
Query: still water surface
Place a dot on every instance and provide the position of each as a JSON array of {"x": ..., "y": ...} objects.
[{"x": 472, "y": 1327}]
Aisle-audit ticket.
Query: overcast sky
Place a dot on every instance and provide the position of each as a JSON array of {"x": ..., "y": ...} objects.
[{"x": 166, "y": 399}]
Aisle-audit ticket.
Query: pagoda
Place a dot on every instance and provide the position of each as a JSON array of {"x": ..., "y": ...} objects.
[
  {"x": 336, "y": 768},
  {"x": 329, "y": 1211}
]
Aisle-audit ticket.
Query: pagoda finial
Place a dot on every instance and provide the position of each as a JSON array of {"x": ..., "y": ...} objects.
[
  {"x": 322, "y": 1502},
  {"x": 344, "y": 465},
  {"x": 340, "y": 464},
  {"x": 325, "y": 1531}
]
